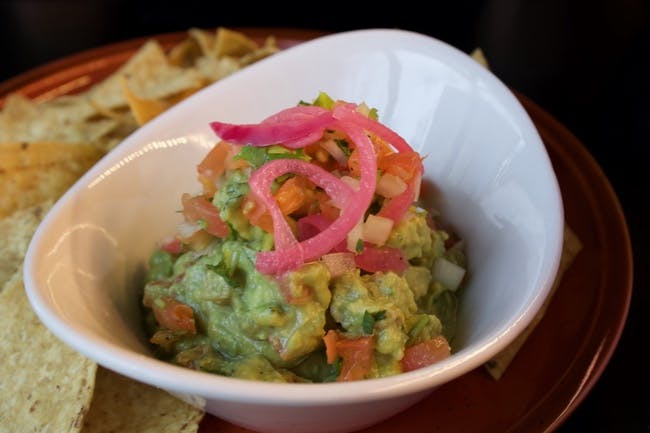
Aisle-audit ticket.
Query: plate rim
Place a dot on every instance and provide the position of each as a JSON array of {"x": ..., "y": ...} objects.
[{"x": 89, "y": 62}]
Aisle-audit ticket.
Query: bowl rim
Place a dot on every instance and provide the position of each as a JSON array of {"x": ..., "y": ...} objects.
[{"x": 182, "y": 380}]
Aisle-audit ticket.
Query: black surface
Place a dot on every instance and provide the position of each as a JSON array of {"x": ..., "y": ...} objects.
[{"x": 586, "y": 62}]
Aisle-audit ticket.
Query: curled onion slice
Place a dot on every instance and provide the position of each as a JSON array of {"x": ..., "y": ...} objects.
[
  {"x": 348, "y": 112},
  {"x": 261, "y": 180},
  {"x": 294, "y": 128},
  {"x": 289, "y": 253},
  {"x": 298, "y": 127}
]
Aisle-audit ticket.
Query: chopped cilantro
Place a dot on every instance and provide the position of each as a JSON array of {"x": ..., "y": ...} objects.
[
  {"x": 335, "y": 371},
  {"x": 324, "y": 100},
  {"x": 258, "y": 156},
  {"x": 359, "y": 246},
  {"x": 343, "y": 145},
  {"x": 369, "y": 319},
  {"x": 222, "y": 269},
  {"x": 255, "y": 156}
]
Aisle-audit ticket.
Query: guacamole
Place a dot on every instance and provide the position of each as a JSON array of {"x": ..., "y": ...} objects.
[{"x": 381, "y": 300}]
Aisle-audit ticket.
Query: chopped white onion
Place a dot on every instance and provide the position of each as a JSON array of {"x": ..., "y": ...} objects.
[
  {"x": 187, "y": 229},
  {"x": 333, "y": 149},
  {"x": 449, "y": 274},
  {"x": 390, "y": 186},
  {"x": 353, "y": 182},
  {"x": 376, "y": 229},
  {"x": 354, "y": 235}
]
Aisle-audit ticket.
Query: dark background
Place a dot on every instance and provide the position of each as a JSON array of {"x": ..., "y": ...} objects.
[{"x": 585, "y": 62}]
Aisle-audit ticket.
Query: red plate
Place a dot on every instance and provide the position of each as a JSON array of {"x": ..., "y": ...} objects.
[{"x": 565, "y": 355}]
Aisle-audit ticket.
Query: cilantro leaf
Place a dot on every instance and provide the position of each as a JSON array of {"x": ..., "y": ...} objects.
[
  {"x": 258, "y": 156},
  {"x": 359, "y": 246},
  {"x": 369, "y": 319}
]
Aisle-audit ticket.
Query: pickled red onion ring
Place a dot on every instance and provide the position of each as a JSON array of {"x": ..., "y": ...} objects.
[
  {"x": 396, "y": 207},
  {"x": 299, "y": 113},
  {"x": 298, "y": 127},
  {"x": 348, "y": 112},
  {"x": 289, "y": 253},
  {"x": 294, "y": 128},
  {"x": 262, "y": 179}
]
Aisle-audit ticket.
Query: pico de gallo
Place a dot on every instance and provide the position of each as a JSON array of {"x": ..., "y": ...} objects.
[{"x": 305, "y": 257}]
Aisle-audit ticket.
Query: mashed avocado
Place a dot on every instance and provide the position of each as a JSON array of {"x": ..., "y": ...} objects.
[
  {"x": 368, "y": 308},
  {"x": 247, "y": 328}
]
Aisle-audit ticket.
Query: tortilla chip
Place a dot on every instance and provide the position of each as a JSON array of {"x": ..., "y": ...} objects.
[
  {"x": 143, "y": 109},
  {"x": 479, "y": 56},
  {"x": 123, "y": 405},
  {"x": 270, "y": 47},
  {"x": 16, "y": 117},
  {"x": 232, "y": 43},
  {"x": 15, "y": 233},
  {"x": 498, "y": 365},
  {"x": 214, "y": 69},
  {"x": 227, "y": 51},
  {"x": 46, "y": 386},
  {"x": 33, "y": 173},
  {"x": 67, "y": 118},
  {"x": 185, "y": 53},
  {"x": 204, "y": 40},
  {"x": 44, "y": 148},
  {"x": 146, "y": 109},
  {"x": 149, "y": 75}
]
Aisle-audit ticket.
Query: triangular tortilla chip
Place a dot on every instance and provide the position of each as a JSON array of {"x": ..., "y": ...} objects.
[
  {"x": 46, "y": 386},
  {"x": 141, "y": 408},
  {"x": 232, "y": 43},
  {"x": 33, "y": 173},
  {"x": 15, "y": 233},
  {"x": 149, "y": 75}
]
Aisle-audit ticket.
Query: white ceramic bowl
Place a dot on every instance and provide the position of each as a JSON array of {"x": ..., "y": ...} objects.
[{"x": 492, "y": 178}]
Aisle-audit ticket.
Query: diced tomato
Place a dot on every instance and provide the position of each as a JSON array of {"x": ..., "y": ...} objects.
[
  {"x": 425, "y": 353},
  {"x": 357, "y": 355},
  {"x": 173, "y": 315},
  {"x": 212, "y": 167},
  {"x": 295, "y": 195},
  {"x": 382, "y": 149},
  {"x": 325, "y": 206},
  {"x": 330, "y": 340},
  {"x": 403, "y": 165},
  {"x": 201, "y": 209},
  {"x": 382, "y": 259},
  {"x": 292, "y": 194},
  {"x": 172, "y": 245},
  {"x": 257, "y": 214}
]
